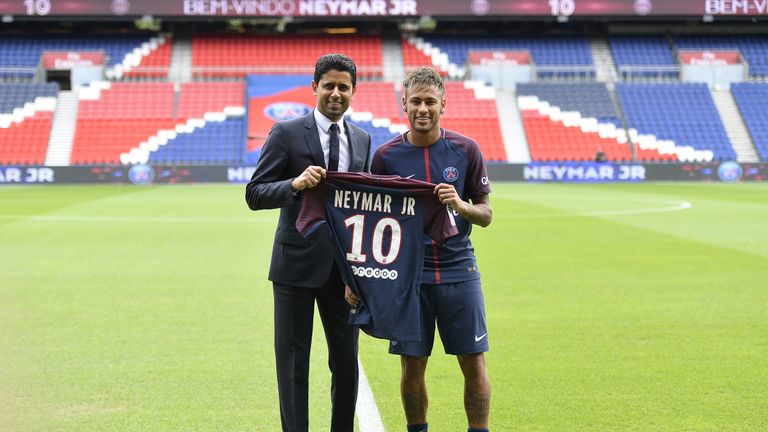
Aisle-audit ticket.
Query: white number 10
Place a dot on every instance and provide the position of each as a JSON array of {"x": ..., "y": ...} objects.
[{"x": 358, "y": 222}]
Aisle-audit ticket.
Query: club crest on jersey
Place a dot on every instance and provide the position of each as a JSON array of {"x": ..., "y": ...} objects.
[{"x": 451, "y": 174}]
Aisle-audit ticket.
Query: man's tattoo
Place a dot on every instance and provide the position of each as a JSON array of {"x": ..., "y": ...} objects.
[
  {"x": 414, "y": 406},
  {"x": 477, "y": 406}
]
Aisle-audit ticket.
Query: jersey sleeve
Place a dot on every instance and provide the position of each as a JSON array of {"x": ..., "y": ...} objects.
[
  {"x": 477, "y": 175},
  {"x": 312, "y": 210},
  {"x": 439, "y": 223}
]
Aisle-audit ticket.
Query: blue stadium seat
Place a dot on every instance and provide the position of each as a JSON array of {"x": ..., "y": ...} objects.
[
  {"x": 682, "y": 112},
  {"x": 545, "y": 51},
  {"x": 589, "y": 99},
  {"x": 215, "y": 143},
  {"x": 752, "y": 100},
  {"x": 25, "y": 51},
  {"x": 644, "y": 53}
]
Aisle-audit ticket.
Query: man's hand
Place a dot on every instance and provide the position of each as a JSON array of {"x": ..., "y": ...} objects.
[
  {"x": 447, "y": 194},
  {"x": 478, "y": 212},
  {"x": 310, "y": 178},
  {"x": 351, "y": 297}
]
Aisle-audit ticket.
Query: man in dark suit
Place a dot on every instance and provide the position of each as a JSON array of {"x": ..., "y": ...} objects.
[{"x": 295, "y": 157}]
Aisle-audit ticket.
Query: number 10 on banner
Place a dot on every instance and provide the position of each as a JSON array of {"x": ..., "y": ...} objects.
[{"x": 562, "y": 7}]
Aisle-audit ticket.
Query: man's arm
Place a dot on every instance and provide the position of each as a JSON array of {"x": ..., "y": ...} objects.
[
  {"x": 269, "y": 187},
  {"x": 478, "y": 212}
]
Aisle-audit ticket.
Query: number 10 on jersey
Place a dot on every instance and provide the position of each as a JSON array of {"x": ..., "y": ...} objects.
[{"x": 357, "y": 222}]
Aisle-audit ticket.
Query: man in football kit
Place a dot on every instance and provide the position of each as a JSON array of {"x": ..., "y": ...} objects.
[
  {"x": 451, "y": 294},
  {"x": 294, "y": 158}
]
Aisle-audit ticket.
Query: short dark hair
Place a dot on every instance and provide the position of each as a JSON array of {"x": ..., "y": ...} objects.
[
  {"x": 338, "y": 62},
  {"x": 424, "y": 77}
]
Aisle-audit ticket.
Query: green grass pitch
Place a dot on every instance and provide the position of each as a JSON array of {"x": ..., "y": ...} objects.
[{"x": 639, "y": 307}]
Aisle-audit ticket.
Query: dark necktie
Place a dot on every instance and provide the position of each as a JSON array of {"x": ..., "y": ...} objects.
[{"x": 333, "y": 153}]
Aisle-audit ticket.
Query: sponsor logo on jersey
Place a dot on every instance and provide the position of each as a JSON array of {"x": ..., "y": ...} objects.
[
  {"x": 376, "y": 273},
  {"x": 451, "y": 174},
  {"x": 286, "y": 110}
]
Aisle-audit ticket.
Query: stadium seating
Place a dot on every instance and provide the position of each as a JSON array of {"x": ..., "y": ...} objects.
[
  {"x": 754, "y": 48},
  {"x": 24, "y": 51},
  {"x": 26, "y": 115},
  {"x": 589, "y": 99},
  {"x": 681, "y": 116},
  {"x": 195, "y": 99},
  {"x": 142, "y": 117},
  {"x": 475, "y": 117},
  {"x": 131, "y": 112},
  {"x": 237, "y": 56},
  {"x": 643, "y": 56},
  {"x": 217, "y": 142},
  {"x": 555, "y": 136},
  {"x": 752, "y": 100},
  {"x": 380, "y": 99},
  {"x": 553, "y": 56},
  {"x": 154, "y": 60},
  {"x": 414, "y": 57}
]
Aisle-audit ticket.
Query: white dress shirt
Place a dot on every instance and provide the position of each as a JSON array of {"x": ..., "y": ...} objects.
[{"x": 323, "y": 125}]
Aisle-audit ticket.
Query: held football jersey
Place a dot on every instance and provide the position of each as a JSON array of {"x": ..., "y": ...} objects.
[
  {"x": 454, "y": 159},
  {"x": 378, "y": 225}
]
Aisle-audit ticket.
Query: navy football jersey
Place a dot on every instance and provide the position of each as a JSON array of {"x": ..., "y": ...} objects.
[
  {"x": 454, "y": 159},
  {"x": 378, "y": 225}
]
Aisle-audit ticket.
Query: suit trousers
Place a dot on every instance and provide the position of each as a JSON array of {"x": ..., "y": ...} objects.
[{"x": 294, "y": 316}]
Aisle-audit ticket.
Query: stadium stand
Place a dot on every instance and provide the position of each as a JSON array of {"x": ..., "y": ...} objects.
[
  {"x": 20, "y": 54},
  {"x": 571, "y": 122},
  {"x": 414, "y": 57},
  {"x": 754, "y": 48},
  {"x": 237, "y": 56},
  {"x": 217, "y": 119},
  {"x": 26, "y": 113},
  {"x": 752, "y": 100},
  {"x": 674, "y": 119},
  {"x": 643, "y": 56},
  {"x": 207, "y": 126},
  {"x": 554, "y": 56}
]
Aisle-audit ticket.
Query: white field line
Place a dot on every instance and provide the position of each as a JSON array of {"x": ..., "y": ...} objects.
[
  {"x": 368, "y": 418},
  {"x": 663, "y": 207}
]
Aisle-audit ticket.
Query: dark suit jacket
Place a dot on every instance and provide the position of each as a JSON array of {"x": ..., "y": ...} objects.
[{"x": 290, "y": 148}]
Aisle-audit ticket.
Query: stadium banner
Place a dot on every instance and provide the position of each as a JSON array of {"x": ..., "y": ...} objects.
[
  {"x": 62, "y": 60},
  {"x": 709, "y": 58},
  {"x": 567, "y": 172},
  {"x": 508, "y": 57},
  {"x": 385, "y": 8},
  {"x": 596, "y": 172}
]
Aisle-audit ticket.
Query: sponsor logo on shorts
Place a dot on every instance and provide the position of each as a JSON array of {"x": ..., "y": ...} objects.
[
  {"x": 375, "y": 273},
  {"x": 479, "y": 338}
]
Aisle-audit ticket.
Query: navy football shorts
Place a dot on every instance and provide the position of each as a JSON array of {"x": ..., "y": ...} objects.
[{"x": 459, "y": 310}]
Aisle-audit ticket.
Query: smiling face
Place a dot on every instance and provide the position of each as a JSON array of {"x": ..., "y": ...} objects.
[
  {"x": 334, "y": 91},
  {"x": 424, "y": 105}
]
